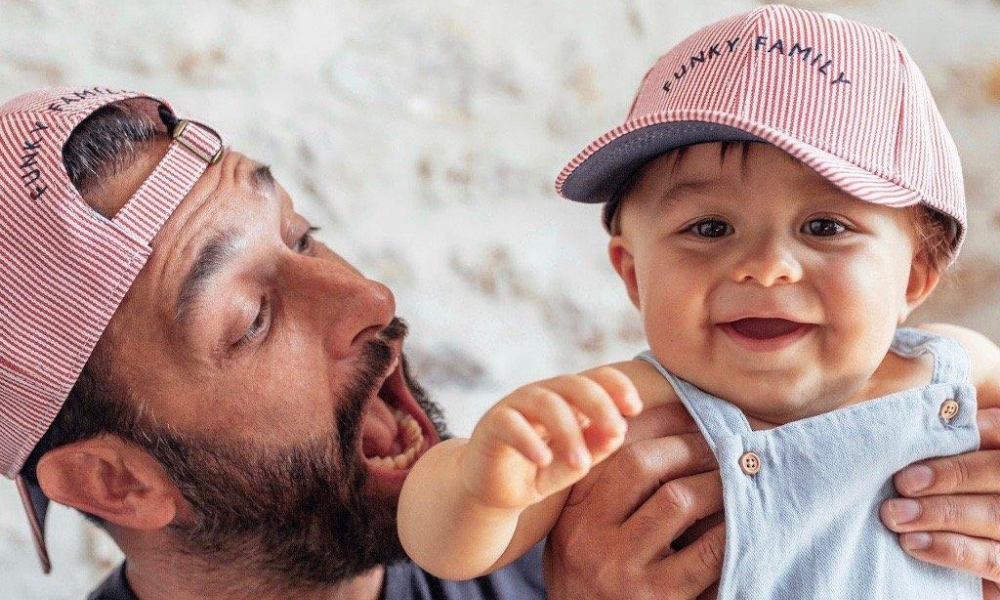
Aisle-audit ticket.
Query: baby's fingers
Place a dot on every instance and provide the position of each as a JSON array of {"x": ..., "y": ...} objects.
[
  {"x": 544, "y": 406},
  {"x": 603, "y": 426},
  {"x": 511, "y": 428},
  {"x": 619, "y": 387}
]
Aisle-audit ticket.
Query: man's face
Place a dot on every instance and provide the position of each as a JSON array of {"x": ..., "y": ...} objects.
[
  {"x": 716, "y": 238},
  {"x": 270, "y": 373}
]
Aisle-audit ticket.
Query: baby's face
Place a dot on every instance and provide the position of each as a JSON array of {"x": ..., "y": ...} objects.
[{"x": 711, "y": 239}]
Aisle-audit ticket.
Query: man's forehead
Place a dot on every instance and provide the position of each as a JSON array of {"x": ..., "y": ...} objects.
[{"x": 233, "y": 185}]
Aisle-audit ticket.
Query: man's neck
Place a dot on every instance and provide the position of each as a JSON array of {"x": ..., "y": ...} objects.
[{"x": 163, "y": 574}]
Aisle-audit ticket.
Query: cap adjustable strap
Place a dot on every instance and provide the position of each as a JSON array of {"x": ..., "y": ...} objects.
[{"x": 196, "y": 146}]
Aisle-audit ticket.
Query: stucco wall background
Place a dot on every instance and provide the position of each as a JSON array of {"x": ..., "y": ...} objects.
[{"x": 423, "y": 137}]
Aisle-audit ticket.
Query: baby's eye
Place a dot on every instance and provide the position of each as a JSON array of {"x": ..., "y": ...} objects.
[
  {"x": 824, "y": 227},
  {"x": 711, "y": 228}
]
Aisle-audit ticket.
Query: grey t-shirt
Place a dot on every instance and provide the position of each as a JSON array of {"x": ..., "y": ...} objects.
[{"x": 521, "y": 580}]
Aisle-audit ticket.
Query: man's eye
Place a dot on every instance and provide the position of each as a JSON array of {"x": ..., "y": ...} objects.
[
  {"x": 305, "y": 243},
  {"x": 824, "y": 227},
  {"x": 259, "y": 324},
  {"x": 711, "y": 228}
]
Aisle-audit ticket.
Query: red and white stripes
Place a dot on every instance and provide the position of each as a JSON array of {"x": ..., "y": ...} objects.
[
  {"x": 64, "y": 268},
  {"x": 843, "y": 97}
]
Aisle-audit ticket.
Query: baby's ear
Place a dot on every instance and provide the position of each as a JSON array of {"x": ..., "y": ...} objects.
[
  {"x": 623, "y": 262},
  {"x": 923, "y": 279}
]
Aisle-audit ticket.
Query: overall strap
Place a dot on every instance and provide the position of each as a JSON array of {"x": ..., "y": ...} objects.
[
  {"x": 951, "y": 361},
  {"x": 716, "y": 418}
]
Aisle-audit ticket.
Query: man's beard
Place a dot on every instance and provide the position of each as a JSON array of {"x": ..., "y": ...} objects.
[{"x": 299, "y": 517}]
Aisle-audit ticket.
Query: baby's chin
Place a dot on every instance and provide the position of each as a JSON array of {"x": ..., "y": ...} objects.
[{"x": 768, "y": 404}]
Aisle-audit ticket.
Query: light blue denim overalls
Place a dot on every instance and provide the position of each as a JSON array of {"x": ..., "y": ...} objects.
[{"x": 802, "y": 511}]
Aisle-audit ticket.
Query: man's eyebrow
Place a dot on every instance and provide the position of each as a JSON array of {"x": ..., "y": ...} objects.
[
  {"x": 213, "y": 256},
  {"x": 261, "y": 179}
]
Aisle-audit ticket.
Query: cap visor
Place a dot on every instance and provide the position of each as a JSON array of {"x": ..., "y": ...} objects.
[
  {"x": 36, "y": 506},
  {"x": 595, "y": 174}
]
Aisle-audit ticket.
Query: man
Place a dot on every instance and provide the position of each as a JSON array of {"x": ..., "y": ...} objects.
[{"x": 183, "y": 363}]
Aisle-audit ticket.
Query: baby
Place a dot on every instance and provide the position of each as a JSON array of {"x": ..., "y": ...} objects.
[{"x": 782, "y": 195}]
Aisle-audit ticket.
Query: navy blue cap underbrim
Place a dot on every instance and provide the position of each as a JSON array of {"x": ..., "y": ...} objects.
[
  {"x": 36, "y": 504},
  {"x": 599, "y": 178}
]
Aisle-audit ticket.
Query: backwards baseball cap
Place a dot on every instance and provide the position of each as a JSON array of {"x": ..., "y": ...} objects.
[
  {"x": 844, "y": 98},
  {"x": 64, "y": 268}
]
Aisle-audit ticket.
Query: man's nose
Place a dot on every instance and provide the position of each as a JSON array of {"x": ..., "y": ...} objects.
[
  {"x": 344, "y": 305},
  {"x": 770, "y": 260}
]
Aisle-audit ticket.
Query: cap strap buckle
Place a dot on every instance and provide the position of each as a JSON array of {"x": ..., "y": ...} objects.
[{"x": 179, "y": 131}]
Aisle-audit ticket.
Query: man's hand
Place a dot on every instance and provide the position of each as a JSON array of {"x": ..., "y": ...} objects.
[
  {"x": 613, "y": 538},
  {"x": 949, "y": 514},
  {"x": 544, "y": 437}
]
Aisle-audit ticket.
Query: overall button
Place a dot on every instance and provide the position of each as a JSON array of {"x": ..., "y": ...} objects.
[
  {"x": 949, "y": 408},
  {"x": 750, "y": 463}
]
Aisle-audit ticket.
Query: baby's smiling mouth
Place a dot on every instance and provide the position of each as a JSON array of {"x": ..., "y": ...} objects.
[
  {"x": 765, "y": 334},
  {"x": 762, "y": 329}
]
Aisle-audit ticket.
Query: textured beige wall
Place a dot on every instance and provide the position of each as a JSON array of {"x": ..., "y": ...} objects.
[{"x": 424, "y": 138}]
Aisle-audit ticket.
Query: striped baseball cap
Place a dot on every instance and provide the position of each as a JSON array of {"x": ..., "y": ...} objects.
[
  {"x": 64, "y": 268},
  {"x": 842, "y": 97}
]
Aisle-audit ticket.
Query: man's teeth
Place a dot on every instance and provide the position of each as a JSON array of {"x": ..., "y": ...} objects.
[{"x": 413, "y": 442}]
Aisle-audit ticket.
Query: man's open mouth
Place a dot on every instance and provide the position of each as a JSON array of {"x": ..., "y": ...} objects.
[{"x": 395, "y": 431}]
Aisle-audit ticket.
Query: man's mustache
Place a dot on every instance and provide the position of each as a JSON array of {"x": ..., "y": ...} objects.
[{"x": 376, "y": 356}]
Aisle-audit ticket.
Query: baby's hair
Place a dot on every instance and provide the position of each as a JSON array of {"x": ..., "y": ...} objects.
[{"x": 935, "y": 232}]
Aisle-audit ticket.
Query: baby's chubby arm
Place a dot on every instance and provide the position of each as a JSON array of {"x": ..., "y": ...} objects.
[{"x": 471, "y": 506}]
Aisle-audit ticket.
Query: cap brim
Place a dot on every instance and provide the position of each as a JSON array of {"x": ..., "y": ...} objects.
[
  {"x": 595, "y": 174},
  {"x": 36, "y": 505}
]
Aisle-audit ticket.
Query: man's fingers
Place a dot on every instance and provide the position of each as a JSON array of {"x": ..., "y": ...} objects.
[
  {"x": 660, "y": 421},
  {"x": 970, "y": 473},
  {"x": 631, "y": 475},
  {"x": 988, "y": 422},
  {"x": 976, "y": 515},
  {"x": 991, "y": 590},
  {"x": 696, "y": 567},
  {"x": 970, "y": 554},
  {"x": 674, "y": 507}
]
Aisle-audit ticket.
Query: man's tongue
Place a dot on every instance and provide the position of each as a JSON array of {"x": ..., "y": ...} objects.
[
  {"x": 764, "y": 328},
  {"x": 380, "y": 431}
]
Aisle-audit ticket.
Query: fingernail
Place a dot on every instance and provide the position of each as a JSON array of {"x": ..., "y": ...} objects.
[
  {"x": 916, "y": 541},
  {"x": 902, "y": 510},
  {"x": 984, "y": 422},
  {"x": 915, "y": 478},
  {"x": 580, "y": 458}
]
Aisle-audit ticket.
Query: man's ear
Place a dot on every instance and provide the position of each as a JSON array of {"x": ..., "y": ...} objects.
[
  {"x": 923, "y": 279},
  {"x": 624, "y": 263},
  {"x": 112, "y": 479}
]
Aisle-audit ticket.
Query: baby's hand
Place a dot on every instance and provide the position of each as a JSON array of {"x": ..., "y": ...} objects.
[{"x": 546, "y": 436}]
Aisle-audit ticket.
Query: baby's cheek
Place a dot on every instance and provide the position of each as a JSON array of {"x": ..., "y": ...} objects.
[
  {"x": 669, "y": 313},
  {"x": 860, "y": 307},
  {"x": 851, "y": 290}
]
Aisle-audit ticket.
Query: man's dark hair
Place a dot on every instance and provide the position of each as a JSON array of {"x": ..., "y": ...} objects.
[{"x": 104, "y": 144}]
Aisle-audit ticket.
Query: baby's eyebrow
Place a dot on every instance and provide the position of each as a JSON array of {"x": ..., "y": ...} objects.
[{"x": 681, "y": 187}]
